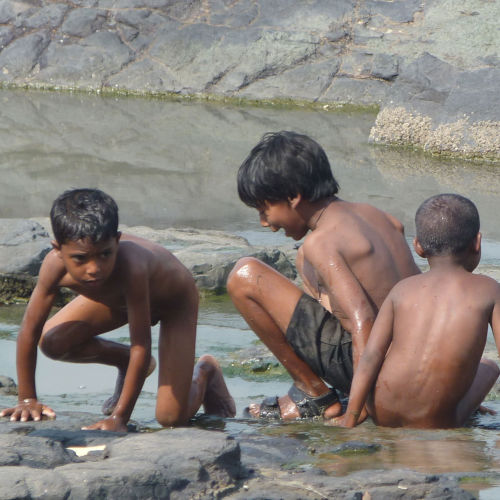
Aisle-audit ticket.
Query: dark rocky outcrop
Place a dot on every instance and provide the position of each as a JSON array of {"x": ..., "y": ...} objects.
[{"x": 432, "y": 61}]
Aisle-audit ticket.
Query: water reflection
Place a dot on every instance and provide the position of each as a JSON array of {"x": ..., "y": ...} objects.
[{"x": 173, "y": 163}]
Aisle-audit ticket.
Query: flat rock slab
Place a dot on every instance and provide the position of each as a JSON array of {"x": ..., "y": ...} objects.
[{"x": 39, "y": 460}]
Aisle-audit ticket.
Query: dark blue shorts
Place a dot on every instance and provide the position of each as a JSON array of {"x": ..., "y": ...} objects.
[{"x": 318, "y": 338}]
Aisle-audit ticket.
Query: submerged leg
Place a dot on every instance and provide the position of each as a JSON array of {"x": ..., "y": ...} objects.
[
  {"x": 486, "y": 376},
  {"x": 267, "y": 300}
]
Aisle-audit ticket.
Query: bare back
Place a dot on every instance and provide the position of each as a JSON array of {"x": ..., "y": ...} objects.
[
  {"x": 368, "y": 241},
  {"x": 439, "y": 326}
]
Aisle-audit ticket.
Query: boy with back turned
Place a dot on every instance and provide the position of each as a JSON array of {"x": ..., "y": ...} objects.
[
  {"x": 119, "y": 279},
  {"x": 351, "y": 258},
  {"x": 422, "y": 364}
]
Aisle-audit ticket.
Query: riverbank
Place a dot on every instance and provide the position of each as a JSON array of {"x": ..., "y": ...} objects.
[{"x": 431, "y": 67}]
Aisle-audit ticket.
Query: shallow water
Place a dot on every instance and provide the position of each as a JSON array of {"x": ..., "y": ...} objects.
[{"x": 174, "y": 164}]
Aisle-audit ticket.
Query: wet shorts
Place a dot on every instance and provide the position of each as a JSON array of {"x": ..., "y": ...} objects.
[{"x": 318, "y": 338}]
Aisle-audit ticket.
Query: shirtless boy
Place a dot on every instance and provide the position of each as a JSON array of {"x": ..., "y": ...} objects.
[
  {"x": 352, "y": 257},
  {"x": 423, "y": 357},
  {"x": 119, "y": 279}
]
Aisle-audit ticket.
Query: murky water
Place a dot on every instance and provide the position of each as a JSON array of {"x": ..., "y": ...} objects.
[{"x": 174, "y": 164}]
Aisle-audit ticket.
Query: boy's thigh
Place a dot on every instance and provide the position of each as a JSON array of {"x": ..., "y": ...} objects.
[
  {"x": 83, "y": 318},
  {"x": 274, "y": 293},
  {"x": 176, "y": 355}
]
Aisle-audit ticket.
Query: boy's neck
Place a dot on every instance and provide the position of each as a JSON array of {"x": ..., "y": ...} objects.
[
  {"x": 317, "y": 211},
  {"x": 449, "y": 263}
]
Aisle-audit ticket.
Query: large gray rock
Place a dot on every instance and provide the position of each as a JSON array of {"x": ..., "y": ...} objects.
[
  {"x": 208, "y": 254},
  {"x": 368, "y": 53},
  {"x": 442, "y": 109},
  {"x": 23, "y": 245},
  {"x": 54, "y": 459}
]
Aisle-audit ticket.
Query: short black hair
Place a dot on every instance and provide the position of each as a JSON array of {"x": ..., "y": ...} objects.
[
  {"x": 283, "y": 165},
  {"x": 446, "y": 224},
  {"x": 79, "y": 214}
]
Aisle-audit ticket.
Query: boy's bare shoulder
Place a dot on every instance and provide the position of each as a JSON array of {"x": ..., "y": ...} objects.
[{"x": 52, "y": 271}]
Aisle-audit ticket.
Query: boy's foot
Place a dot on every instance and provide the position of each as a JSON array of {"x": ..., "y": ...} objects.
[
  {"x": 287, "y": 407},
  {"x": 109, "y": 405},
  {"x": 217, "y": 400}
]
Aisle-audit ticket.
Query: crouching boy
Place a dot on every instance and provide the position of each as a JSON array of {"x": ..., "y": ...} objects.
[
  {"x": 422, "y": 364},
  {"x": 119, "y": 279}
]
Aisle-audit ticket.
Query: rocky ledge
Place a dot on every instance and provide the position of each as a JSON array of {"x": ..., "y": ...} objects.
[
  {"x": 55, "y": 459},
  {"x": 209, "y": 255},
  {"x": 430, "y": 65}
]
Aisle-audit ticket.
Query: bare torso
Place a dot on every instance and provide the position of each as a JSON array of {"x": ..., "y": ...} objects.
[
  {"x": 371, "y": 243},
  {"x": 166, "y": 276},
  {"x": 439, "y": 332}
]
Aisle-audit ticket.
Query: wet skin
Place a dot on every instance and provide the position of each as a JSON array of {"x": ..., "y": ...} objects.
[
  {"x": 423, "y": 358},
  {"x": 119, "y": 281},
  {"x": 349, "y": 261}
]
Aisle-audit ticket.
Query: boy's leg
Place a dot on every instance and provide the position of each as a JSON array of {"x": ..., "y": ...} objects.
[
  {"x": 71, "y": 335},
  {"x": 209, "y": 389},
  {"x": 176, "y": 361},
  {"x": 486, "y": 376},
  {"x": 267, "y": 301}
]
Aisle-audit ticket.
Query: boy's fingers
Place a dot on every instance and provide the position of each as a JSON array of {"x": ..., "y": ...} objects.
[{"x": 48, "y": 412}]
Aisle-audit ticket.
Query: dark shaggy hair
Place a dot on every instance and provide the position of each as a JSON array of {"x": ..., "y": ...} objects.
[
  {"x": 446, "y": 224},
  {"x": 283, "y": 165},
  {"x": 78, "y": 214}
]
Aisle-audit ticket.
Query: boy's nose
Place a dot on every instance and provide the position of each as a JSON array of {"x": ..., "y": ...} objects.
[
  {"x": 93, "y": 268},
  {"x": 263, "y": 222}
]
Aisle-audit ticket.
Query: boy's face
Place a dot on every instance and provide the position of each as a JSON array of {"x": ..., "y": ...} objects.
[
  {"x": 281, "y": 214},
  {"x": 89, "y": 264}
]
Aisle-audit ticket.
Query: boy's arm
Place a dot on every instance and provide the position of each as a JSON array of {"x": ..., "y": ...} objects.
[
  {"x": 36, "y": 314},
  {"x": 139, "y": 319},
  {"x": 495, "y": 318},
  {"x": 370, "y": 363},
  {"x": 350, "y": 303}
]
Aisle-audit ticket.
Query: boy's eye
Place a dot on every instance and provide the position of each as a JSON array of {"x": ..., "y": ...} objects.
[
  {"x": 78, "y": 258},
  {"x": 106, "y": 253}
]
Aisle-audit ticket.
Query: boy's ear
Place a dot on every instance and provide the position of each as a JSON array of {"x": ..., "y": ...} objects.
[
  {"x": 477, "y": 243},
  {"x": 118, "y": 236},
  {"x": 56, "y": 246},
  {"x": 418, "y": 248},
  {"x": 295, "y": 201}
]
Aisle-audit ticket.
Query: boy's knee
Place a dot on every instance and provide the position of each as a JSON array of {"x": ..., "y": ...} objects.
[
  {"x": 170, "y": 418},
  {"x": 492, "y": 367},
  {"x": 51, "y": 345},
  {"x": 242, "y": 273}
]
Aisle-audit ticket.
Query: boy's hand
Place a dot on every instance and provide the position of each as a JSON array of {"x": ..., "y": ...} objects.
[
  {"x": 344, "y": 421},
  {"x": 113, "y": 423},
  {"x": 28, "y": 409}
]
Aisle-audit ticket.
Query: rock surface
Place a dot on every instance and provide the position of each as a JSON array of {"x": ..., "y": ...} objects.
[
  {"x": 209, "y": 255},
  {"x": 54, "y": 459},
  {"x": 431, "y": 65}
]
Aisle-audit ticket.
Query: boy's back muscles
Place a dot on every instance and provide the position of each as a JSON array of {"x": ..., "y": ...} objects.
[
  {"x": 370, "y": 243},
  {"x": 439, "y": 331}
]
